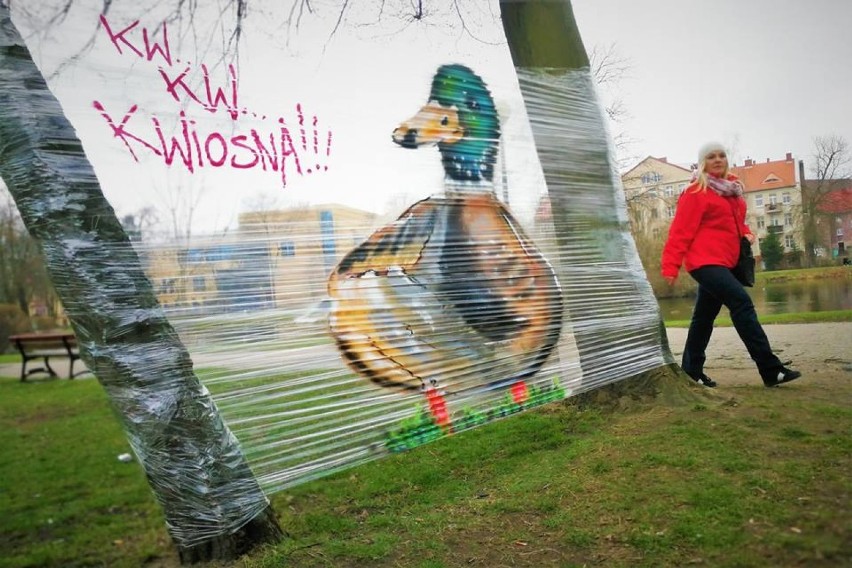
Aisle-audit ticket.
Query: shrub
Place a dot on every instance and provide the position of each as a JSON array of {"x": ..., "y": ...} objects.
[
  {"x": 12, "y": 320},
  {"x": 43, "y": 323},
  {"x": 772, "y": 251}
]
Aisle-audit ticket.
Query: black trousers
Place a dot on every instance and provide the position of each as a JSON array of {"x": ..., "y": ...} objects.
[{"x": 717, "y": 287}]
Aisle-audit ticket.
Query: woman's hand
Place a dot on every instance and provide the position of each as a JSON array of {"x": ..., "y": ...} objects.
[
  {"x": 749, "y": 237},
  {"x": 670, "y": 280}
]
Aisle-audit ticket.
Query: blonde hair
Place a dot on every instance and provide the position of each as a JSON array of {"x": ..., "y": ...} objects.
[{"x": 702, "y": 174}]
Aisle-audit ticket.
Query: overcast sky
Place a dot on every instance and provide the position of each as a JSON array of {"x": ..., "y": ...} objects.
[
  {"x": 764, "y": 76},
  {"x": 340, "y": 92}
]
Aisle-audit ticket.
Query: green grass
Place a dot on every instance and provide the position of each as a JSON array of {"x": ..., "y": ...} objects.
[
  {"x": 804, "y": 274},
  {"x": 800, "y": 317},
  {"x": 762, "y": 482},
  {"x": 66, "y": 499},
  {"x": 10, "y": 358}
]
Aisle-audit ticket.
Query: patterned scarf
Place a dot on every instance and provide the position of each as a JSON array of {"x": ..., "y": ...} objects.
[{"x": 724, "y": 187}]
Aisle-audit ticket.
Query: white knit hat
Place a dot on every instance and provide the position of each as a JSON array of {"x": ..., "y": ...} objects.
[{"x": 707, "y": 148}]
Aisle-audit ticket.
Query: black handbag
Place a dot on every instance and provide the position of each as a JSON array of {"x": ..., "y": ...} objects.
[{"x": 744, "y": 270}]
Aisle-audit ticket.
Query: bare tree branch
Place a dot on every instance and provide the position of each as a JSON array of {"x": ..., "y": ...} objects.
[
  {"x": 339, "y": 18},
  {"x": 831, "y": 170},
  {"x": 607, "y": 66},
  {"x": 608, "y": 70},
  {"x": 832, "y": 157}
]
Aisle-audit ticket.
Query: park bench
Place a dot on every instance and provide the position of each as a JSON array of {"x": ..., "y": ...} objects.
[{"x": 44, "y": 346}]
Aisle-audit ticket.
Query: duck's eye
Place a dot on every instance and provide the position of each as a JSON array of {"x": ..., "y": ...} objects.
[{"x": 445, "y": 121}]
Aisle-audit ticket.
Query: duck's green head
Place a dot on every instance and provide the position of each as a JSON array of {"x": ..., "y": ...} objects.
[{"x": 461, "y": 119}]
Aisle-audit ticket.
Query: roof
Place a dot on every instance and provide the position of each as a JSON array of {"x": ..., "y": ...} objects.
[
  {"x": 649, "y": 159},
  {"x": 767, "y": 175},
  {"x": 838, "y": 201}
]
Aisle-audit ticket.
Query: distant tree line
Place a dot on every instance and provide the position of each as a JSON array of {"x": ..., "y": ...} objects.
[{"x": 27, "y": 298}]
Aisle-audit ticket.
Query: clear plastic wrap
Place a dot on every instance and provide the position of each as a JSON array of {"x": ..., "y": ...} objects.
[{"x": 337, "y": 272}]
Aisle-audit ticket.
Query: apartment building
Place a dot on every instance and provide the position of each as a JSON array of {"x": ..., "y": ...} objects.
[
  {"x": 651, "y": 189},
  {"x": 774, "y": 198},
  {"x": 302, "y": 245},
  {"x": 275, "y": 259},
  {"x": 834, "y": 218}
]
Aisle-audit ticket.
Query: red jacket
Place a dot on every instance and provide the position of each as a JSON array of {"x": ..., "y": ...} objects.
[{"x": 704, "y": 231}]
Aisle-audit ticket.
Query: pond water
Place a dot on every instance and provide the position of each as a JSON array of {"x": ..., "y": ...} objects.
[{"x": 779, "y": 298}]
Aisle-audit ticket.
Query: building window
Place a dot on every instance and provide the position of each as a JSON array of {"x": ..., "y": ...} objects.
[
  {"x": 785, "y": 198},
  {"x": 839, "y": 232},
  {"x": 789, "y": 242},
  {"x": 788, "y": 220},
  {"x": 670, "y": 212},
  {"x": 221, "y": 253},
  {"x": 775, "y": 222},
  {"x": 327, "y": 232},
  {"x": 287, "y": 248},
  {"x": 198, "y": 283},
  {"x": 669, "y": 191},
  {"x": 651, "y": 177},
  {"x": 167, "y": 286},
  {"x": 655, "y": 232},
  {"x": 773, "y": 199},
  {"x": 758, "y": 201},
  {"x": 761, "y": 223},
  {"x": 655, "y": 214},
  {"x": 680, "y": 188}
]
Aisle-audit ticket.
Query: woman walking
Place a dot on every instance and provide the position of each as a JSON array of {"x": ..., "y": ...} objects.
[{"x": 705, "y": 238}]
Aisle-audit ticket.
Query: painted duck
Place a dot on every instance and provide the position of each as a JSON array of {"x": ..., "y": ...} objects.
[{"x": 452, "y": 296}]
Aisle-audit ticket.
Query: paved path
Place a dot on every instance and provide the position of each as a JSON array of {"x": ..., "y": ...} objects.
[{"x": 818, "y": 350}]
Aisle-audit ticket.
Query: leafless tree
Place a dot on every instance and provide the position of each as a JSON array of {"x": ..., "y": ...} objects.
[
  {"x": 120, "y": 324},
  {"x": 23, "y": 277},
  {"x": 609, "y": 69},
  {"x": 139, "y": 223},
  {"x": 831, "y": 168}
]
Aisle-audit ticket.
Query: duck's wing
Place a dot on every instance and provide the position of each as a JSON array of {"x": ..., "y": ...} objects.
[
  {"x": 452, "y": 295},
  {"x": 388, "y": 321},
  {"x": 500, "y": 284}
]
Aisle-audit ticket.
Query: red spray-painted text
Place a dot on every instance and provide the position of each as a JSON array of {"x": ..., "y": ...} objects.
[{"x": 185, "y": 141}]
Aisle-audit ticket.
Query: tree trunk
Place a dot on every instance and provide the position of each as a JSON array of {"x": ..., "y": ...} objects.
[
  {"x": 213, "y": 506},
  {"x": 588, "y": 209}
]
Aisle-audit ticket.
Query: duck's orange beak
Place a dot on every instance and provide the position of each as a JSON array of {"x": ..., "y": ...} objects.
[{"x": 432, "y": 124}]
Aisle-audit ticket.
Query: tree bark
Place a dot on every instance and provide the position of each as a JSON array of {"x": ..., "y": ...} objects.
[
  {"x": 596, "y": 246},
  {"x": 213, "y": 505}
]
